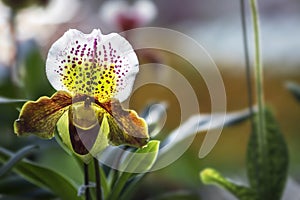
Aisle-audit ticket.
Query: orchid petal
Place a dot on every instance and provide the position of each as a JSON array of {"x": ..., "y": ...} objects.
[
  {"x": 40, "y": 117},
  {"x": 84, "y": 143},
  {"x": 126, "y": 127},
  {"x": 101, "y": 66},
  {"x": 114, "y": 125}
]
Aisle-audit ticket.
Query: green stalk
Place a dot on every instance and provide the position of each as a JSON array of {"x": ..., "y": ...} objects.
[
  {"x": 86, "y": 181},
  {"x": 258, "y": 70},
  {"x": 98, "y": 180},
  {"x": 247, "y": 62}
]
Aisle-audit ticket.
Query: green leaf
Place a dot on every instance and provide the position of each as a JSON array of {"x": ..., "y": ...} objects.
[
  {"x": 132, "y": 187},
  {"x": 140, "y": 161},
  {"x": 212, "y": 177},
  {"x": 16, "y": 158},
  {"x": 267, "y": 171},
  {"x": 104, "y": 184},
  {"x": 196, "y": 124},
  {"x": 15, "y": 186},
  {"x": 155, "y": 117},
  {"x": 43, "y": 177},
  {"x": 4, "y": 100}
]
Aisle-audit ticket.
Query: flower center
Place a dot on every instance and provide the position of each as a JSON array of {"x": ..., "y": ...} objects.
[{"x": 83, "y": 114}]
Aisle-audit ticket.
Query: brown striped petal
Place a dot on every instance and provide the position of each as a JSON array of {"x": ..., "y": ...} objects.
[{"x": 40, "y": 117}]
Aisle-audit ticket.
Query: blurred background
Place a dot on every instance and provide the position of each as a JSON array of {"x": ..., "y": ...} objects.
[{"x": 28, "y": 29}]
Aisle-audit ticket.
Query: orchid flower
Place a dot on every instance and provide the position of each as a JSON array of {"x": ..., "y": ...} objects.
[
  {"x": 92, "y": 74},
  {"x": 125, "y": 16}
]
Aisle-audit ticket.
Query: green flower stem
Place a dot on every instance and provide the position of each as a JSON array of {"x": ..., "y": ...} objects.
[
  {"x": 261, "y": 125},
  {"x": 98, "y": 180},
  {"x": 86, "y": 181},
  {"x": 247, "y": 61}
]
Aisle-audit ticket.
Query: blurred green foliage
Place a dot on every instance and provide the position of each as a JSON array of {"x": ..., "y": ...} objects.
[{"x": 267, "y": 171}]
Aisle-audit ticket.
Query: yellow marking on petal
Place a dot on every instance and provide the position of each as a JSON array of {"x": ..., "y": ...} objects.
[{"x": 90, "y": 78}]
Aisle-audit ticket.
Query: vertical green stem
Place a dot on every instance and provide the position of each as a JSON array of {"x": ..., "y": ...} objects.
[
  {"x": 259, "y": 78},
  {"x": 86, "y": 181},
  {"x": 247, "y": 62},
  {"x": 98, "y": 180}
]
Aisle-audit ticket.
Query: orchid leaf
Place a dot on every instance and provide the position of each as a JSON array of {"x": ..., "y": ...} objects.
[
  {"x": 142, "y": 160},
  {"x": 104, "y": 183},
  {"x": 138, "y": 162},
  {"x": 16, "y": 158},
  {"x": 4, "y": 100},
  {"x": 212, "y": 177},
  {"x": 155, "y": 117},
  {"x": 199, "y": 123},
  {"x": 267, "y": 171},
  {"x": 132, "y": 187},
  {"x": 15, "y": 187},
  {"x": 43, "y": 177}
]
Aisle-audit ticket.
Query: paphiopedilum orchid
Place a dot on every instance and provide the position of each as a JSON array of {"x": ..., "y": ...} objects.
[
  {"x": 125, "y": 16},
  {"x": 92, "y": 74}
]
